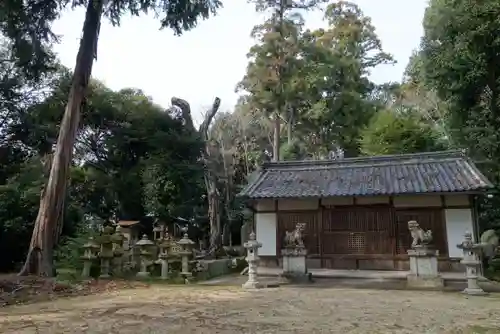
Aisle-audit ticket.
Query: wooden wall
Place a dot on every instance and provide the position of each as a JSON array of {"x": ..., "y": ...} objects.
[{"x": 363, "y": 232}]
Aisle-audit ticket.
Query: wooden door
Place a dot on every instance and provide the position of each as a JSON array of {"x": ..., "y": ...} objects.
[{"x": 357, "y": 232}]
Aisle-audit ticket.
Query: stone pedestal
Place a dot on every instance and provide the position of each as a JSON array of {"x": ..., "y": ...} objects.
[
  {"x": 424, "y": 268},
  {"x": 252, "y": 282},
  {"x": 294, "y": 264},
  {"x": 163, "y": 261},
  {"x": 105, "y": 262},
  {"x": 87, "y": 265},
  {"x": 185, "y": 270}
]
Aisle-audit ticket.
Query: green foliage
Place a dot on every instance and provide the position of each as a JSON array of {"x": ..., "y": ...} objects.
[
  {"x": 391, "y": 132},
  {"x": 122, "y": 136},
  {"x": 19, "y": 197},
  {"x": 69, "y": 252},
  {"x": 324, "y": 86},
  {"x": 458, "y": 61},
  {"x": 295, "y": 150}
]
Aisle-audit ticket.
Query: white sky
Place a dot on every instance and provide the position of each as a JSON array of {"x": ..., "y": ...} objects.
[{"x": 209, "y": 60}]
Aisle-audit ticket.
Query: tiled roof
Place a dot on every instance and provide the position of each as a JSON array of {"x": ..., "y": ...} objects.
[
  {"x": 128, "y": 223},
  {"x": 448, "y": 171}
]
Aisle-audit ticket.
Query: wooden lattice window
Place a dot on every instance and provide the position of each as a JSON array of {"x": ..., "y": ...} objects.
[{"x": 356, "y": 243}]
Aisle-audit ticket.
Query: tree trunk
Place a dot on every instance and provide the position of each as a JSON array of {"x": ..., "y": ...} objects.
[
  {"x": 211, "y": 181},
  {"x": 48, "y": 224},
  {"x": 276, "y": 140},
  {"x": 227, "y": 202},
  {"x": 289, "y": 127}
]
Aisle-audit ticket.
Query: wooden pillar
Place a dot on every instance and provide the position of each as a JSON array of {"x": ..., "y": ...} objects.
[{"x": 320, "y": 233}]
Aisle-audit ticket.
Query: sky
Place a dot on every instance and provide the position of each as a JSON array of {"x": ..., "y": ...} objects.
[{"x": 210, "y": 60}]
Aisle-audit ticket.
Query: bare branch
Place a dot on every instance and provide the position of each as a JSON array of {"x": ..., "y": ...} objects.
[{"x": 208, "y": 118}]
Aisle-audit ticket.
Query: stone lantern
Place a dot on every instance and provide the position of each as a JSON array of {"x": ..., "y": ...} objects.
[
  {"x": 252, "y": 246},
  {"x": 145, "y": 256},
  {"x": 471, "y": 251},
  {"x": 185, "y": 252},
  {"x": 106, "y": 253},
  {"x": 163, "y": 254},
  {"x": 117, "y": 238},
  {"x": 89, "y": 255}
]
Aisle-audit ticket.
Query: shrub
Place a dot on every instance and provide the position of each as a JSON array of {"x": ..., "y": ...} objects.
[{"x": 68, "y": 253}]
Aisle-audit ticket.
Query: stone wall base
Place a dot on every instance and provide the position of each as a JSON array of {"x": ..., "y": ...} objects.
[
  {"x": 297, "y": 278},
  {"x": 425, "y": 282},
  {"x": 294, "y": 264}
]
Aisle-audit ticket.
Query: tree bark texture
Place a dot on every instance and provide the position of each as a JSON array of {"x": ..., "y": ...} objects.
[
  {"x": 48, "y": 224},
  {"x": 276, "y": 140},
  {"x": 226, "y": 231},
  {"x": 211, "y": 181},
  {"x": 279, "y": 107},
  {"x": 289, "y": 126}
]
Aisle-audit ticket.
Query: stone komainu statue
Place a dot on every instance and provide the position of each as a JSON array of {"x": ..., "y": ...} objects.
[
  {"x": 295, "y": 238},
  {"x": 419, "y": 236}
]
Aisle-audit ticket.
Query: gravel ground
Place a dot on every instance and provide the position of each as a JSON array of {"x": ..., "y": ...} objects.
[{"x": 225, "y": 310}]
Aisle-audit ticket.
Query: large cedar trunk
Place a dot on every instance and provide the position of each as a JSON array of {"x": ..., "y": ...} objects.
[
  {"x": 211, "y": 182},
  {"x": 226, "y": 230},
  {"x": 48, "y": 224},
  {"x": 276, "y": 141},
  {"x": 289, "y": 127},
  {"x": 210, "y": 178}
]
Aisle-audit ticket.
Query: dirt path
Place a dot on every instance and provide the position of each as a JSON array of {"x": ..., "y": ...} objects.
[{"x": 210, "y": 310}]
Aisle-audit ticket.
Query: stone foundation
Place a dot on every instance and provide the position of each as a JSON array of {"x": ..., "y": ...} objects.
[
  {"x": 444, "y": 265},
  {"x": 424, "y": 269},
  {"x": 295, "y": 265},
  {"x": 422, "y": 282},
  {"x": 294, "y": 261}
]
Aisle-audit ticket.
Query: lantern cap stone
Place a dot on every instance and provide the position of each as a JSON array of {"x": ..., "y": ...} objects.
[
  {"x": 144, "y": 241},
  {"x": 90, "y": 244},
  {"x": 185, "y": 241},
  {"x": 252, "y": 242}
]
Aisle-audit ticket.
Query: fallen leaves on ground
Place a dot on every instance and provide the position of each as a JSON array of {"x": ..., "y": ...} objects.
[{"x": 21, "y": 290}]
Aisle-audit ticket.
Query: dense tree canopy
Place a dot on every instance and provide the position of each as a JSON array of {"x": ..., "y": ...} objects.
[
  {"x": 392, "y": 132},
  {"x": 131, "y": 158}
]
